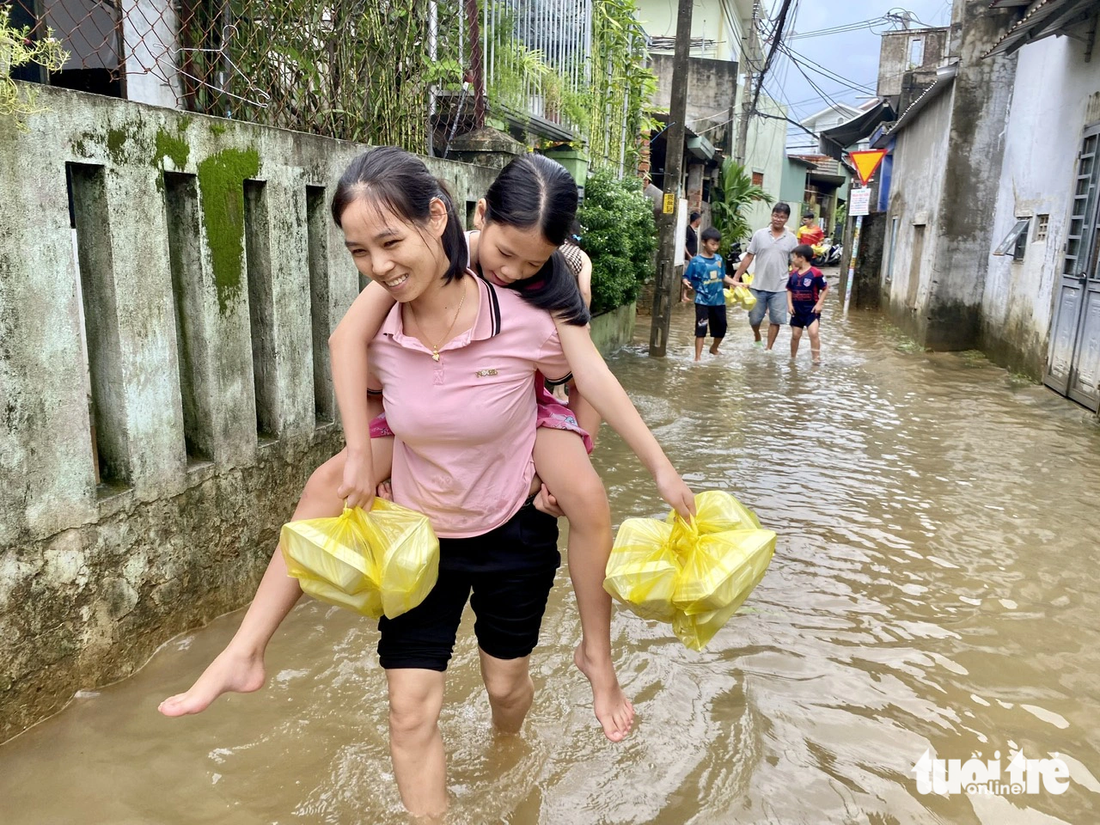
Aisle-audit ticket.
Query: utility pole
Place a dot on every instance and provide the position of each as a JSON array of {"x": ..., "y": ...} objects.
[
  {"x": 749, "y": 57},
  {"x": 668, "y": 285}
]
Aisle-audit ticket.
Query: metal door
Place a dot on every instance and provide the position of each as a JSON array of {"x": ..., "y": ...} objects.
[{"x": 1073, "y": 365}]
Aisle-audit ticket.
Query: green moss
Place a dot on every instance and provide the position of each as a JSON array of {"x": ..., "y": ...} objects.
[
  {"x": 117, "y": 140},
  {"x": 218, "y": 128},
  {"x": 171, "y": 146},
  {"x": 221, "y": 183}
]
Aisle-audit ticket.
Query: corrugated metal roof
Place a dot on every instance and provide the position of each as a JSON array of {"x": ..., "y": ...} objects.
[
  {"x": 946, "y": 76},
  {"x": 1043, "y": 19}
]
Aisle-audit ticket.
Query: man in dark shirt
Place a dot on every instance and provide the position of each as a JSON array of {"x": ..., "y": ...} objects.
[{"x": 691, "y": 246}]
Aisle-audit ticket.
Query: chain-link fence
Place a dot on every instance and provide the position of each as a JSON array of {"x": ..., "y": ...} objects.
[
  {"x": 364, "y": 70},
  {"x": 352, "y": 69}
]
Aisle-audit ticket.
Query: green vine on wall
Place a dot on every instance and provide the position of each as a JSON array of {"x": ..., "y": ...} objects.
[{"x": 607, "y": 107}]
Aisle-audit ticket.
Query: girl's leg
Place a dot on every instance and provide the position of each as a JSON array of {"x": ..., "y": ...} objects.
[
  {"x": 796, "y": 336},
  {"x": 562, "y": 463},
  {"x": 240, "y": 667},
  {"x": 815, "y": 342},
  {"x": 416, "y": 744}
]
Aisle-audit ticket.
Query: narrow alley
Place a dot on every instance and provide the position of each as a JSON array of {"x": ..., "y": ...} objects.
[{"x": 934, "y": 586}]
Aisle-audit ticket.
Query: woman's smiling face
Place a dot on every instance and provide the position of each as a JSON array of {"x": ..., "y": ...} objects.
[
  {"x": 402, "y": 256},
  {"x": 507, "y": 254}
]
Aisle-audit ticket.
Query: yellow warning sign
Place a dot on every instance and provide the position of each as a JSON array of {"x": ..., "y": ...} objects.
[
  {"x": 669, "y": 204},
  {"x": 866, "y": 162}
]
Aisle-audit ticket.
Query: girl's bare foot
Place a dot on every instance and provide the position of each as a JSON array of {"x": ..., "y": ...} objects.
[
  {"x": 229, "y": 672},
  {"x": 613, "y": 710}
]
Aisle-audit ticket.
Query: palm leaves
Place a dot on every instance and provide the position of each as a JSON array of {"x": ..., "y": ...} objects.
[{"x": 733, "y": 192}]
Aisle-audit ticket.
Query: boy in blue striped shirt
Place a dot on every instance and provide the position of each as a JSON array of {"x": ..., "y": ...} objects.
[{"x": 706, "y": 274}]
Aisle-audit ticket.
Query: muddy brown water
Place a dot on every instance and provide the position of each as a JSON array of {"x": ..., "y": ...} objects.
[{"x": 935, "y": 587}]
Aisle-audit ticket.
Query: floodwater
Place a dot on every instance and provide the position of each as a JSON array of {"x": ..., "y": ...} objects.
[{"x": 935, "y": 587}]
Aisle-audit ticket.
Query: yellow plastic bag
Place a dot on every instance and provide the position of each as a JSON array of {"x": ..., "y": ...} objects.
[
  {"x": 642, "y": 569},
  {"x": 384, "y": 562},
  {"x": 739, "y": 296},
  {"x": 744, "y": 297},
  {"x": 713, "y": 562}
]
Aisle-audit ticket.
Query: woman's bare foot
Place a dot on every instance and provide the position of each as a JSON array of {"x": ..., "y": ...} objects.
[
  {"x": 228, "y": 673},
  {"x": 613, "y": 710}
]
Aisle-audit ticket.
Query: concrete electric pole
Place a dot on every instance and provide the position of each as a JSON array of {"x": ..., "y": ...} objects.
[
  {"x": 749, "y": 58},
  {"x": 667, "y": 292}
]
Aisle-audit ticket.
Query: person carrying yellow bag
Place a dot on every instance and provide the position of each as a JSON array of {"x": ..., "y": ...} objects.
[
  {"x": 378, "y": 563},
  {"x": 694, "y": 574}
]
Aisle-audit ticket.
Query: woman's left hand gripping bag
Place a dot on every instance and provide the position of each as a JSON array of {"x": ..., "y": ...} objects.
[{"x": 384, "y": 562}]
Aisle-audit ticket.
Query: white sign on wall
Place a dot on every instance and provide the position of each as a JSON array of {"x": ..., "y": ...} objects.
[{"x": 861, "y": 202}]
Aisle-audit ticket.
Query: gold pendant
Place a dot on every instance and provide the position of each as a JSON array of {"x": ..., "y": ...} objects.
[{"x": 435, "y": 355}]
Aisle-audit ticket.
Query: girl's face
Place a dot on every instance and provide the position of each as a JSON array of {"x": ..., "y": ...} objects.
[
  {"x": 507, "y": 254},
  {"x": 403, "y": 256}
]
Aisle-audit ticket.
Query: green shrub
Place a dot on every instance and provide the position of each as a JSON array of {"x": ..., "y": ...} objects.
[{"x": 619, "y": 236}]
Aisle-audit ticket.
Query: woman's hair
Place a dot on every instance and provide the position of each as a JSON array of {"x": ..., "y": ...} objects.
[
  {"x": 534, "y": 193},
  {"x": 392, "y": 178}
]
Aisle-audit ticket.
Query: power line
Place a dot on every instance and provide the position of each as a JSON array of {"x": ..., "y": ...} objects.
[
  {"x": 828, "y": 73},
  {"x": 779, "y": 23}
]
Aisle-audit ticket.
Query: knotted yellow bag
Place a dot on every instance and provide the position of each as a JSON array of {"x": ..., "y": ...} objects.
[
  {"x": 384, "y": 562},
  {"x": 693, "y": 574}
]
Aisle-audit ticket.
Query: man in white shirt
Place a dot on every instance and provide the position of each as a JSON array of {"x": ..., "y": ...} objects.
[{"x": 770, "y": 247}]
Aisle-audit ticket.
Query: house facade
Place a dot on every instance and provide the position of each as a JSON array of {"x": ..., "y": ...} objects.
[{"x": 991, "y": 237}]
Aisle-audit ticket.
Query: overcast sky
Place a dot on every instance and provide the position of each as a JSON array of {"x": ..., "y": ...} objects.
[{"x": 851, "y": 55}]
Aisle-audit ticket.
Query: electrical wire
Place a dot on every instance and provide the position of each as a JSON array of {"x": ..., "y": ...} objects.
[
  {"x": 827, "y": 73},
  {"x": 779, "y": 24}
]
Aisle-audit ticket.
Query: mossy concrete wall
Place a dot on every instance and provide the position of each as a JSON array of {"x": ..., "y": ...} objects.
[
  {"x": 944, "y": 180},
  {"x": 615, "y": 328},
  {"x": 203, "y": 408}
]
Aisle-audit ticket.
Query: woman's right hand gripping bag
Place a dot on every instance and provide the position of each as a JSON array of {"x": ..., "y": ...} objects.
[{"x": 384, "y": 562}]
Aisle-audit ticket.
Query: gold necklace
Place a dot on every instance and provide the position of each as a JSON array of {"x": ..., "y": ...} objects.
[{"x": 446, "y": 335}]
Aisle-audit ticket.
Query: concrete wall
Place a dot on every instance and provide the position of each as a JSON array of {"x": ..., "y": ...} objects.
[
  {"x": 708, "y": 21},
  {"x": 945, "y": 174},
  {"x": 149, "y": 29},
  {"x": 614, "y": 329},
  {"x": 766, "y": 152},
  {"x": 916, "y": 198},
  {"x": 894, "y": 58},
  {"x": 792, "y": 188},
  {"x": 210, "y": 277},
  {"x": 712, "y": 89},
  {"x": 1053, "y": 85}
]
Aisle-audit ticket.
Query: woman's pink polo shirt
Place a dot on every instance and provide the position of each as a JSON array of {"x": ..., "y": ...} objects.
[{"x": 465, "y": 425}]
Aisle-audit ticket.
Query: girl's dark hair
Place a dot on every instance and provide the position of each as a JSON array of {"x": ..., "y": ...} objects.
[
  {"x": 400, "y": 182},
  {"x": 534, "y": 192}
]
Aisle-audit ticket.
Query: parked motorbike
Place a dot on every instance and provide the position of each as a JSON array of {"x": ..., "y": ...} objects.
[
  {"x": 821, "y": 252},
  {"x": 827, "y": 253}
]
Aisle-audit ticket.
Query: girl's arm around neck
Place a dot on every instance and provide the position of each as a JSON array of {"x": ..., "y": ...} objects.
[
  {"x": 602, "y": 390},
  {"x": 348, "y": 347}
]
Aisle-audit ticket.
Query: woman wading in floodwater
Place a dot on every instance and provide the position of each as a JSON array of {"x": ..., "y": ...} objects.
[{"x": 455, "y": 364}]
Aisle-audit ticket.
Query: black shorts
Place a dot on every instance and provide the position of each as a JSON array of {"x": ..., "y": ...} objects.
[
  {"x": 804, "y": 317},
  {"x": 715, "y": 316},
  {"x": 510, "y": 571}
]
